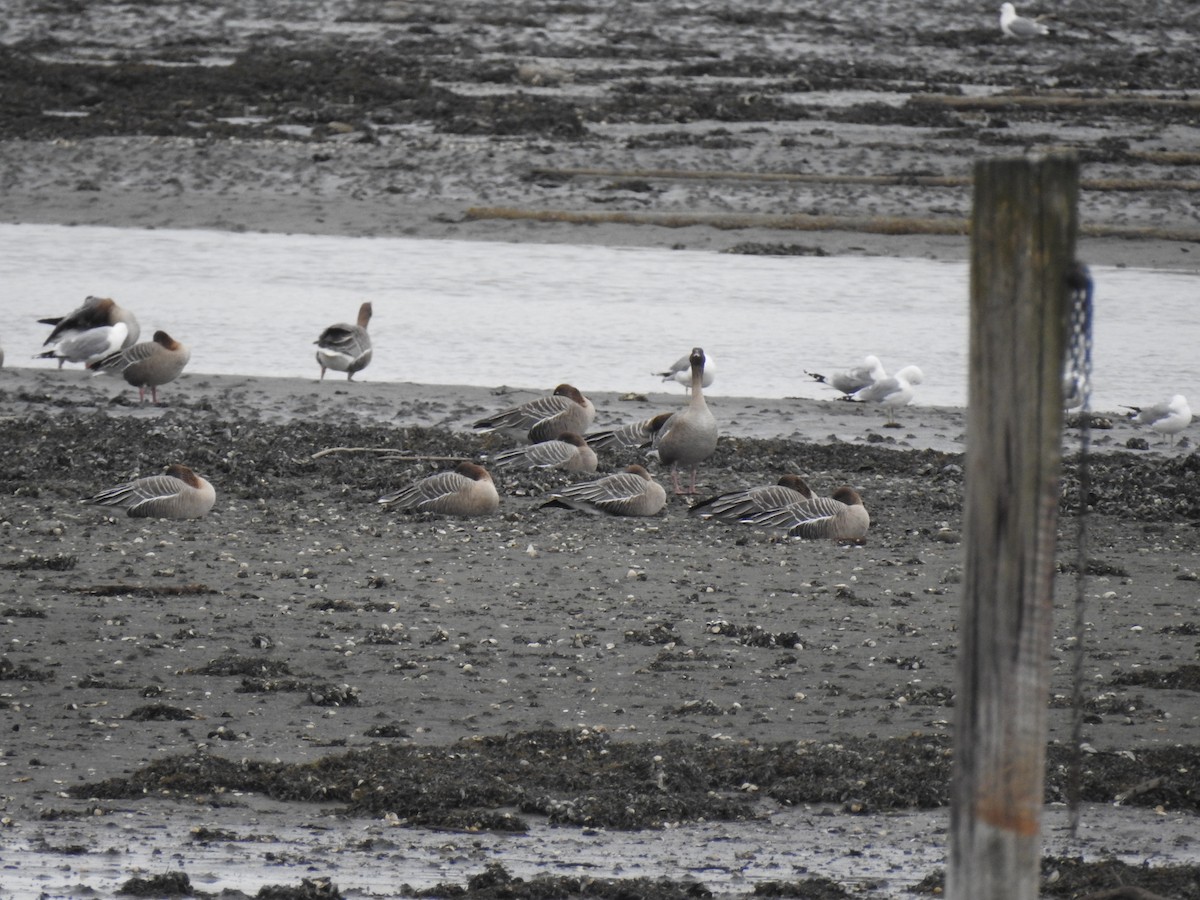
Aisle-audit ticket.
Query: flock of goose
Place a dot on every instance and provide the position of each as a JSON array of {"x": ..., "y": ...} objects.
[{"x": 553, "y": 432}]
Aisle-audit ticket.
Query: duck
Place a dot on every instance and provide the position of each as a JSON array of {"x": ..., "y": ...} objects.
[
  {"x": 681, "y": 371},
  {"x": 735, "y": 506},
  {"x": 1167, "y": 418},
  {"x": 854, "y": 379},
  {"x": 569, "y": 452},
  {"x": 631, "y": 492},
  {"x": 891, "y": 392},
  {"x": 839, "y": 517},
  {"x": 346, "y": 348},
  {"x": 94, "y": 330},
  {"x": 178, "y": 493},
  {"x": 690, "y": 435},
  {"x": 149, "y": 364},
  {"x": 545, "y": 418},
  {"x": 465, "y": 490}
]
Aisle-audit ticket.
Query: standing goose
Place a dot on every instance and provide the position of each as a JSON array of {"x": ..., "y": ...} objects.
[
  {"x": 179, "y": 493},
  {"x": 346, "y": 348},
  {"x": 736, "y": 506},
  {"x": 466, "y": 490},
  {"x": 569, "y": 452},
  {"x": 633, "y": 492},
  {"x": 96, "y": 329},
  {"x": 689, "y": 436},
  {"x": 148, "y": 364},
  {"x": 842, "y": 517},
  {"x": 545, "y": 418}
]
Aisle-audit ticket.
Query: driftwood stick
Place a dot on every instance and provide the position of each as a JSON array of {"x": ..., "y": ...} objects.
[
  {"x": 391, "y": 452},
  {"x": 1051, "y": 101},
  {"x": 144, "y": 590},
  {"x": 898, "y": 179},
  {"x": 801, "y": 222}
]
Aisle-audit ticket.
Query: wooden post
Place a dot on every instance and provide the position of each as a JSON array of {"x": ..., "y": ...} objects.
[{"x": 1022, "y": 243}]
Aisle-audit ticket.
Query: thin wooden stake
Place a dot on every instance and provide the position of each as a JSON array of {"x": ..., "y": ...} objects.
[{"x": 1023, "y": 244}]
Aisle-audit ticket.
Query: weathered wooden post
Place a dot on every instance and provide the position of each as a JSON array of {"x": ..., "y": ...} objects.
[{"x": 1022, "y": 242}]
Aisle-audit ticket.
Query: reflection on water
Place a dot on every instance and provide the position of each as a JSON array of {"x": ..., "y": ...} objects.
[{"x": 533, "y": 315}]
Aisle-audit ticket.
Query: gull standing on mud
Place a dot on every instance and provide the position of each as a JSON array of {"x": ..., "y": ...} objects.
[
  {"x": 681, "y": 371},
  {"x": 854, "y": 379},
  {"x": 179, "y": 493},
  {"x": 148, "y": 364},
  {"x": 1019, "y": 27},
  {"x": 633, "y": 492},
  {"x": 736, "y": 506},
  {"x": 1167, "y": 418},
  {"x": 891, "y": 392},
  {"x": 689, "y": 436},
  {"x": 466, "y": 490},
  {"x": 569, "y": 452},
  {"x": 97, "y": 328},
  {"x": 546, "y": 417},
  {"x": 345, "y": 348},
  {"x": 842, "y": 517}
]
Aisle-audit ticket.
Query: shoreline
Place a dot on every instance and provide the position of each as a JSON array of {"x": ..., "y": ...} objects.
[{"x": 284, "y": 399}]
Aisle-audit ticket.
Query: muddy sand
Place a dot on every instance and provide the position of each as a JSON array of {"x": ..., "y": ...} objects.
[{"x": 308, "y": 692}]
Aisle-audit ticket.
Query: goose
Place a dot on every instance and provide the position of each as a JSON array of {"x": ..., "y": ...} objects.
[
  {"x": 569, "y": 452},
  {"x": 632, "y": 492},
  {"x": 736, "y": 506},
  {"x": 628, "y": 437},
  {"x": 92, "y": 331},
  {"x": 466, "y": 490},
  {"x": 148, "y": 364},
  {"x": 841, "y": 517},
  {"x": 179, "y": 493},
  {"x": 346, "y": 348},
  {"x": 544, "y": 418},
  {"x": 689, "y": 436}
]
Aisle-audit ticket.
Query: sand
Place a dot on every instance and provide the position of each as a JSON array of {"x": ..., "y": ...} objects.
[{"x": 301, "y": 620}]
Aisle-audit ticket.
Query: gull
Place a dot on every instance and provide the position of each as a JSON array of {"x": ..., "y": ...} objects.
[
  {"x": 148, "y": 364},
  {"x": 466, "y": 490},
  {"x": 545, "y": 417},
  {"x": 179, "y": 493},
  {"x": 854, "y": 379},
  {"x": 569, "y": 452},
  {"x": 736, "y": 506},
  {"x": 891, "y": 392},
  {"x": 681, "y": 371},
  {"x": 1167, "y": 418},
  {"x": 841, "y": 517},
  {"x": 632, "y": 492},
  {"x": 94, "y": 330},
  {"x": 346, "y": 348},
  {"x": 1018, "y": 26}
]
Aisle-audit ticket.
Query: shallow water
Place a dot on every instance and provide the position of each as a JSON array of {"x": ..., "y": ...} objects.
[{"x": 534, "y": 315}]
